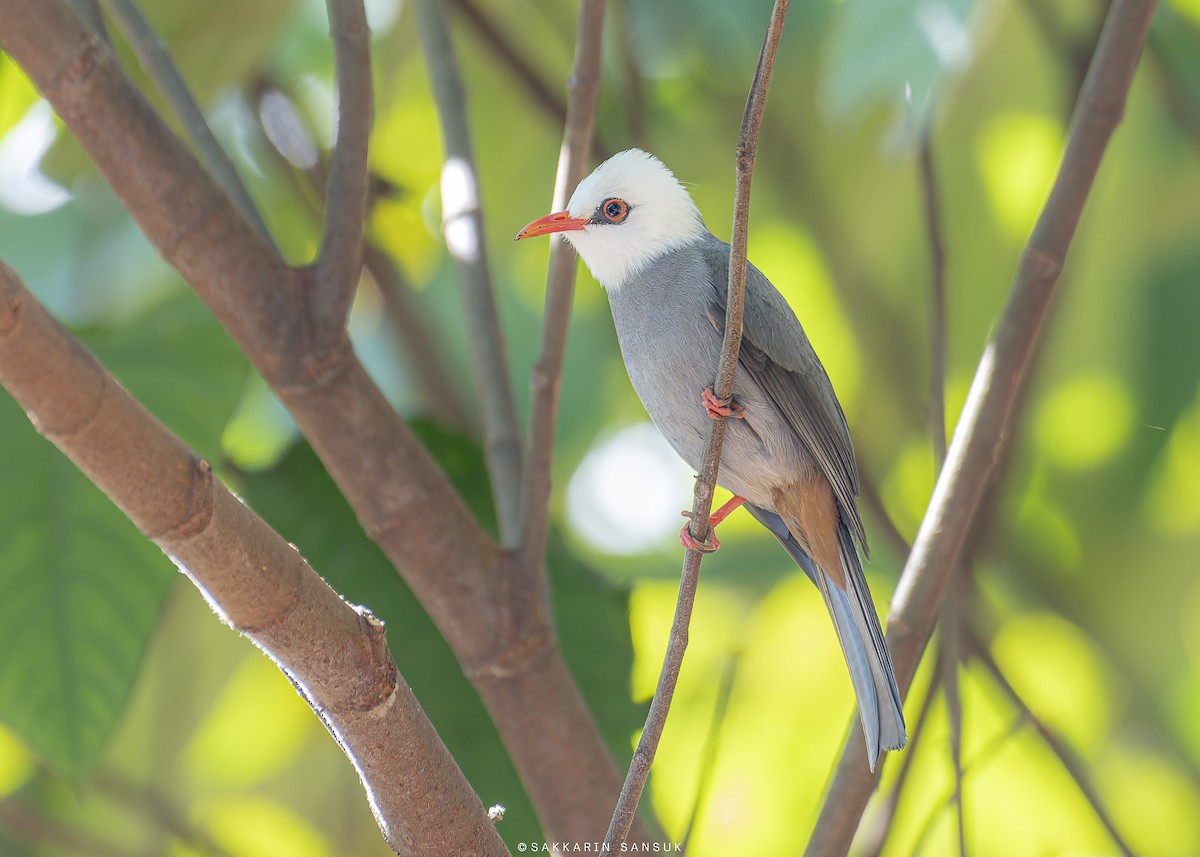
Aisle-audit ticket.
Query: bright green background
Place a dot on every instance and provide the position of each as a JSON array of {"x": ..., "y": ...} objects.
[{"x": 131, "y": 715}]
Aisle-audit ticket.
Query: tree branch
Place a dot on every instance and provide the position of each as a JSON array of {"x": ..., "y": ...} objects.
[
  {"x": 1066, "y": 757},
  {"x": 987, "y": 417},
  {"x": 937, "y": 300},
  {"x": 156, "y": 61},
  {"x": 334, "y": 654},
  {"x": 462, "y": 225},
  {"x": 401, "y": 498},
  {"x": 656, "y": 718},
  {"x": 583, "y": 90},
  {"x": 339, "y": 259}
]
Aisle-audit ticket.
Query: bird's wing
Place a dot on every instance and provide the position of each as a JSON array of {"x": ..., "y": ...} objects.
[{"x": 779, "y": 358}]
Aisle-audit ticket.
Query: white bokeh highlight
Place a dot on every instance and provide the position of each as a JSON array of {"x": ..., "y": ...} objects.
[
  {"x": 626, "y": 495},
  {"x": 23, "y": 188}
]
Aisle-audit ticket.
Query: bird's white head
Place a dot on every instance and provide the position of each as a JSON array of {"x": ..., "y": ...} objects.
[{"x": 630, "y": 211}]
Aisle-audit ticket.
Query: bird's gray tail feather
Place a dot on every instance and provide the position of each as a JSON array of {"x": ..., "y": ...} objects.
[{"x": 861, "y": 637}]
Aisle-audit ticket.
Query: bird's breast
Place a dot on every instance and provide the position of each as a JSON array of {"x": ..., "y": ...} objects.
[{"x": 671, "y": 350}]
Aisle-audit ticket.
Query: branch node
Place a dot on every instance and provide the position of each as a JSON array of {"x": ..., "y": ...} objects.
[{"x": 509, "y": 662}]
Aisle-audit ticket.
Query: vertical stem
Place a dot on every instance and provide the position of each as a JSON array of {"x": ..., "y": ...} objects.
[
  {"x": 643, "y": 756},
  {"x": 988, "y": 417},
  {"x": 462, "y": 225},
  {"x": 583, "y": 90}
]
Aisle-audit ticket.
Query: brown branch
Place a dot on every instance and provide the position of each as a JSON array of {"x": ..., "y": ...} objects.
[
  {"x": 339, "y": 259},
  {"x": 635, "y": 90},
  {"x": 986, "y": 421},
  {"x": 533, "y": 82},
  {"x": 89, "y": 12},
  {"x": 334, "y": 654},
  {"x": 583, "y": 91},
  {"x": 416, "y": 336},
  {"x": 1066, "y": 757},
  {"x": 404, "y": 502},
  {"x": 656, "y": 718},
  {"x": 462, "y": 225},
  {"x": 156, "y": 61},
  {"x": 937, "y": 300}
]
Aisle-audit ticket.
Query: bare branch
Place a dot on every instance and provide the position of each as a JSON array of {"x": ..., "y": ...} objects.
[
  {"x": 415, "y": 334},
  {"x": 635, "y": 90},
  {"x": 882, "y": 824},
  {"x": 89, "y": 12},
  {"x": 156, "y": 61},
  {"x": 583, "y": 91},
  {"x": 401, "y": 498},
  {"x": 1065, "y": 756},
  {"x": 339, "y": 259},
  {"x": 937, "y": 300},
  {"x": 462, "y": 224},
  {"x": 987, "y": 418},
  {"x": 334, "y": 654},
  {"x": 656, "y": 718}
]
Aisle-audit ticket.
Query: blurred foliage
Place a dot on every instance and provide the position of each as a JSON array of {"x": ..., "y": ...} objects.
[{"x": 1085, "y": 585}]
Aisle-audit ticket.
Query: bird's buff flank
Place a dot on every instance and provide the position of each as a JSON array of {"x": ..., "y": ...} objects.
[{"x": 787, "y": 456}]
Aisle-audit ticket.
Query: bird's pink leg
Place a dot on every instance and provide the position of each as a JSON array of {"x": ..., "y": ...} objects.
[
  {"x": 716, "y": 408},
  {"x": 685, "y": 537}
]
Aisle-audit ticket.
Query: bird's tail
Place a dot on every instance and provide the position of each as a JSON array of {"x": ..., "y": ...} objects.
[{"x": 858, "y": 630}]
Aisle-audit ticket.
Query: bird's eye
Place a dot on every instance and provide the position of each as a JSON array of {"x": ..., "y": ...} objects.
[{"x": 614, "y": 210}]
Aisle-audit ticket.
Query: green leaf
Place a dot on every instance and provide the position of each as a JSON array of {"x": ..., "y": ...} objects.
[
  {"x": 900, "y": 53},
  {"x": 80, "y": 587},
  {"x": 80, "y": 591}
]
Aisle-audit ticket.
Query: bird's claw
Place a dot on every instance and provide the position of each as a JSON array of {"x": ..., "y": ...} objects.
[
  {"x": 710, "y": 545},
  {"x": 717, "y": 408}
]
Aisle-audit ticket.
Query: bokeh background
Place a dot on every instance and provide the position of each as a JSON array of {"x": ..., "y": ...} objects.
[{"x": 133, "y": 723}]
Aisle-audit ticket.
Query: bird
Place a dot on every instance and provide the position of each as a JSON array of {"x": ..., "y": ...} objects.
[{"x": 788, "y": 457}]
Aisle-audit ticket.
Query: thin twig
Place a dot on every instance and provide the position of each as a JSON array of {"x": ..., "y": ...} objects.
[
  {"x": 949, "y": 645},
  {"x": 158, "y": 809},
  {"x": 157, "y": 62},
  {"x": 635, "y": 94},
  {"x": 882, "y": 824},
  {"x": 534, "y": 83},
  {"x": 708, "y": 755},
  {"x": 874, "y": 502},
  {"x": 747, "y": 151},
  {"x": 550, "y": 102},
  {"x": 415, "y": 332},
  {"x": 89, "y": 12},
  {"x": 439, "y": 390},
  {"x": 1065, "y": 756},
  {"x": 339, "y": 259},
  {"x": 583, "y": 90},
  {"x": 937, "y": 300},
  {"x": 31, "y": 826},
  {"x": 987, "y": 417},
  {"x": 462, "y": 225}
]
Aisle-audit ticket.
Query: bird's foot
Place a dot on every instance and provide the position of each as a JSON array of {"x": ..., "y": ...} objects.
[
  {"x": 712, "y": 543},
  {"x": 717, "y": 408}
]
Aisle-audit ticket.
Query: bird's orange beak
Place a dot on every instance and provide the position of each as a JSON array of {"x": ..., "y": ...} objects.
[{"x": 559, "y": 221}]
